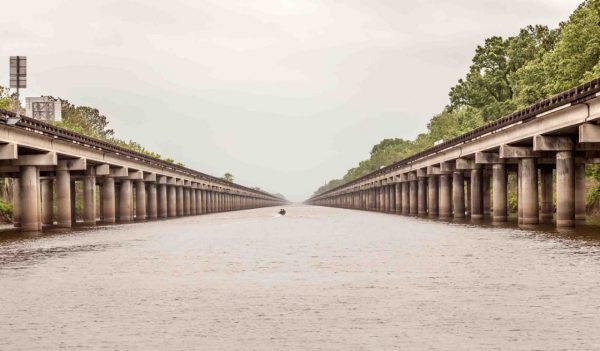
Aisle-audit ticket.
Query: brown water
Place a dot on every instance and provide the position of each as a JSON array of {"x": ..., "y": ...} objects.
[{"x": 315, "y": 279}]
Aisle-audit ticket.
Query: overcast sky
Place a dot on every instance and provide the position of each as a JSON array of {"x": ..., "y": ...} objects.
[{"x": 282, "y": 94}]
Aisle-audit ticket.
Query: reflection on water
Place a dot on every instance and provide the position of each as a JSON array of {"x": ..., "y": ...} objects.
[{"x": 315, "y": 279}]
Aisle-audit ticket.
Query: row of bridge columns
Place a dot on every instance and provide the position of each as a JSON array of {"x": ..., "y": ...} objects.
[
  {"x": 49, "y": 198},
  {"x": 478, "y": 187}
]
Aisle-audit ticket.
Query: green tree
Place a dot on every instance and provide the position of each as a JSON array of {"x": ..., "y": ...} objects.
[{"x": 228, "y": 177}]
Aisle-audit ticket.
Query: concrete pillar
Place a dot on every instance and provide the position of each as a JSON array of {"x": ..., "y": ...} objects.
[
  {"x": 529, "y": 185},
  {"x": 422, "y": 197},
  {"x": 434, "y": 200},
  {"x": 16, "y": 202},
  {"x": 193, "y": 210},
  {"x": 217, "y": 201},
  {"x": 73, "y": 202},
  {"x": 152, "y": 201},
  {"x": 468, "y": 195},
  {"x": 163, "y": 201},
  {"x": 208, "y": 198},
  {"x": 381, "y": 206},
  {"x": 63, "y": 199},
  {"x": 47, "y": 201},
  {"x": 30, "y": 199},
  {"x": 580, "y": 192},
  {"x": 485, "y": 189},
  {"x": 476, "y": 194},
  {"x": 414, "y": 198},
  {"x": 125, "y": 201},
  {"x": 141, "y": 207},
  {"x": 179, "y": 199},
  {"x": 445, "y": 195},
  {"x": 171, "y": 201},
  {"x": 388, "y": 199},
  {"x": 100, "y": 200},
  {"x": 519, "y": 194},
  {"x": 203, "y": 202},
  {"x": 500, "y": 202},
  {"x": 565, "y": 189},
  {"x": 187, "y": 206},
  {"x": 393, "y": 204},
  {"x": 458, "y": 194},
  {"x": 398, "y": 193},
  {"x": 546, "y": 195},
  {"x": 89, "y": 196},
  {"x": 406, "y": 198},
  {"x": 108, "y": 200}
]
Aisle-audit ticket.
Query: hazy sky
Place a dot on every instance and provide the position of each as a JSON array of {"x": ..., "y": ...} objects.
[{"x": 283, "y": 94}]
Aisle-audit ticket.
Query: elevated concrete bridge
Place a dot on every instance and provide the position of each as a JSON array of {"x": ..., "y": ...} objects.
[
  {"x": 126, "y": 185},
  {"x": 546, "y": 145}
]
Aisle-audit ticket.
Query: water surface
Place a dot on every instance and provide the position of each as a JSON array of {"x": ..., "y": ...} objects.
[{"x": 315, "y": 279}]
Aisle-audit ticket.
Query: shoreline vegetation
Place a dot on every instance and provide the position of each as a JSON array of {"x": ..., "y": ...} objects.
[{"x": 507, "y": 74}]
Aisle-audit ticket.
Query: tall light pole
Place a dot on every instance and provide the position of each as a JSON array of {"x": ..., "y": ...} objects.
[{"x": 18, "y": 80}]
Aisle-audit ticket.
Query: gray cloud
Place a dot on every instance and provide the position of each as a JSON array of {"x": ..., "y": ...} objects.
[{"x": 283, "y": 94}]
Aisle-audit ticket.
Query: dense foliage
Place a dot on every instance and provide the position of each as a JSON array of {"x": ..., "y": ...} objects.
[{"x": 506, "y": 74}]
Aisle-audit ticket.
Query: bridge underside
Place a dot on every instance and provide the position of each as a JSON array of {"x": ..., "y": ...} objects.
[
  {"x": 54, "y": 171},
  {"x": 546, "y": 152}
]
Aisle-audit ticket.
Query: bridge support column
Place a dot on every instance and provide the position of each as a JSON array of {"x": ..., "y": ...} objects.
[
  {"x": 381, "y": 197},
  {"x": 163, "y": 200},
  {"x": 140, "y": 200},
  {"x": 546, "y": 195},
  {"x": 529, "y": 187},
  {"x": 47, "y": 201},
  {"x": 171, "y": 201},
  {"x": 179, "y": 200},
  {"x": 393, "y": 204},
  {"x": 187, "y": 206},
  {"x": 152, "y": 201},
  {"x": 398, "y": 195},
  {"x": 202, "y": 207},
  {"x": 468, "y": 195},
  {"x": 476, "y": 194},
  {"x": 434, "y": 199},
  {"x": 63, "y": 199},
  {"x": 413, "y": 196},
  {"x": 31, "y": 213},
  {"x": 499, "y": 191},
  {"x": 16, "y": 202},
  {"x": 213, "y": 202},
  {"x": 89, "y": 196},
  {"x": 193, "y": 209},
  {"x": 445, "y": 206},
  {"x": 73, "y": 201},
  {"x": 389, "y": 198},
  {"x": 125, "y": 199},
  {"x": 565, "y": 189},
  {"x": 406, "y": 198},
  {"x": 108, "y": 200},
  {"x": 485, "y": 191},
  {"x": 422, "y": 196},
  {"x": 458, "y": 193},
  {"x": 580, "y": 192}
]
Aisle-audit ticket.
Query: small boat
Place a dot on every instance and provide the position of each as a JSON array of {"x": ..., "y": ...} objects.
[{"x": 282, "y": 212}]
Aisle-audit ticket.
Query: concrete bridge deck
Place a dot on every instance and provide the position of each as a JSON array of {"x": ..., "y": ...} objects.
[
  {"x": 47, "y": 161},
  {"x": 546, "y": 145}
]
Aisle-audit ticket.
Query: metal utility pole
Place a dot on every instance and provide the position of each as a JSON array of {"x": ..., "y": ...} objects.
[{"x": 18, "y": 80}]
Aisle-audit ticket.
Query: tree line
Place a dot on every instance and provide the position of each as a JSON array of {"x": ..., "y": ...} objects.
[{"x": 506, "y": 74}]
